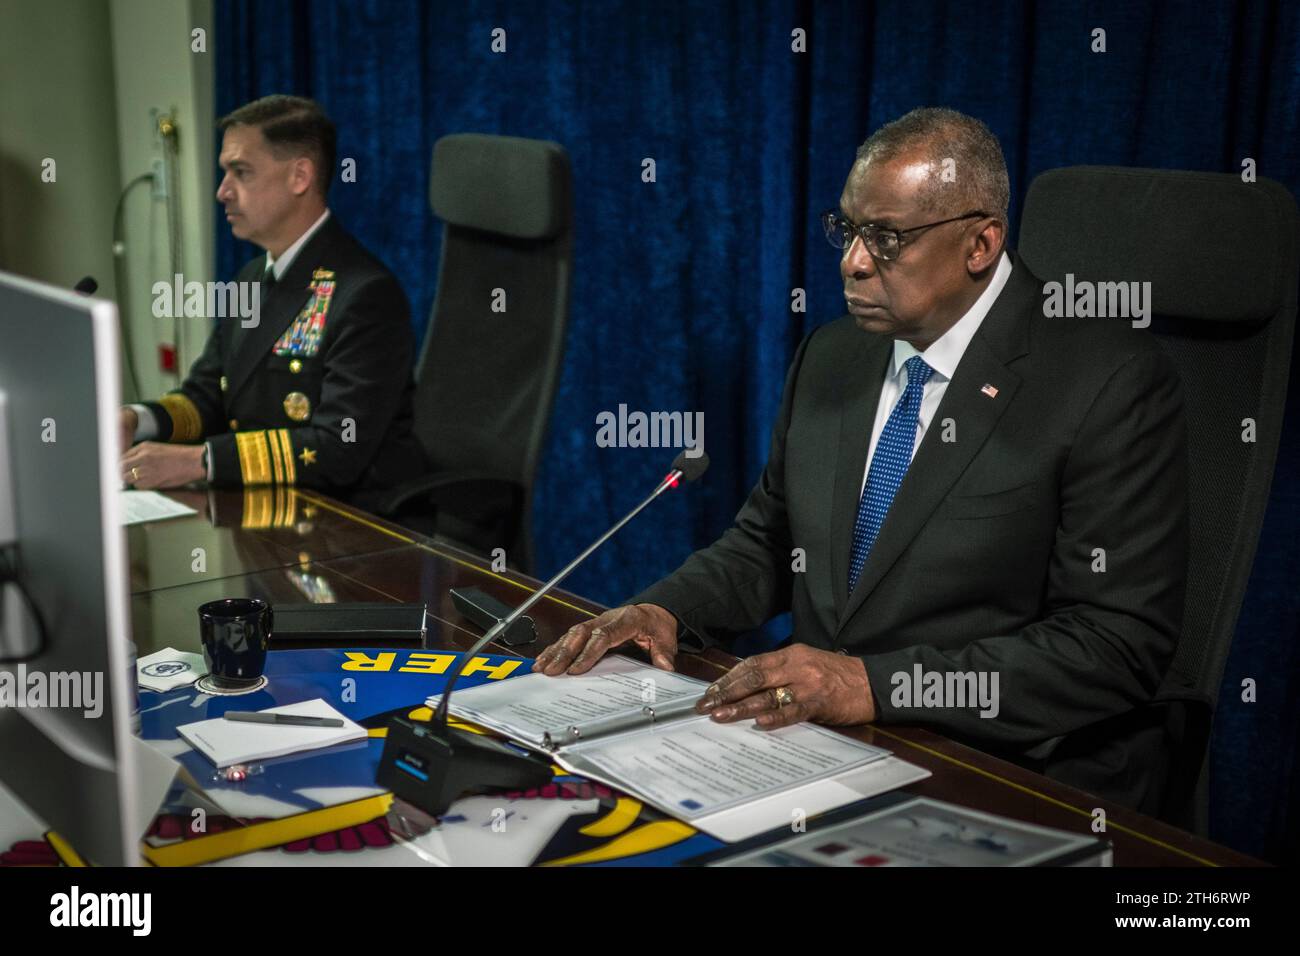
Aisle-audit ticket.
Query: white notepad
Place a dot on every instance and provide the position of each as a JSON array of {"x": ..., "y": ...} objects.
[{"x": 227, "y": 742}]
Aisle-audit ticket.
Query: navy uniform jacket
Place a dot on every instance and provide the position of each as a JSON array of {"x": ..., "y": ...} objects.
[
  {"x": 318, "y": 394},
  {"x": 988, "y": 560}
]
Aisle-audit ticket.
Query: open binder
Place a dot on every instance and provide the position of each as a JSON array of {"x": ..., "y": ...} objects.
[{"x": 634, "y": 728}]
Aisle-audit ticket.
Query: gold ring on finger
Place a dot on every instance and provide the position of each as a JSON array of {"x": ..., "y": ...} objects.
[{"x": 784, "y": 695}]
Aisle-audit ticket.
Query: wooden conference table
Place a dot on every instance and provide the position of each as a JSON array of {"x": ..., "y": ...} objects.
[{"x": 289, "y": 546}]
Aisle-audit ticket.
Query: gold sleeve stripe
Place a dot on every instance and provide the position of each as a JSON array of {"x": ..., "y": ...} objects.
[
  {"x": 290, "y": 469},
  {"x": 254, "y": 460},
  {"x": 187, "y": 424},
  {"x": 277, "y": 470},
  {"x": 242, "y": 444}
]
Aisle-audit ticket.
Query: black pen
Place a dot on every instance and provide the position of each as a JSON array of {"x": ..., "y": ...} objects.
[{"x": 293, "y": 720}]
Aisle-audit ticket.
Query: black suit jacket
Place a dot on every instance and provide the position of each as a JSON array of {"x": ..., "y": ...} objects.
[
  {"x": 285, "y": 404},
  {"x": 990, "y": 557}
]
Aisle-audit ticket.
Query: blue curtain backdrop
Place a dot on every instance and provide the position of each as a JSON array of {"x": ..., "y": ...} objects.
[{"x": 682, "y": 287}]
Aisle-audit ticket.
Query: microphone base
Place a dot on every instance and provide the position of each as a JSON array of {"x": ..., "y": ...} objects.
[{"x": 431, "y": 765}]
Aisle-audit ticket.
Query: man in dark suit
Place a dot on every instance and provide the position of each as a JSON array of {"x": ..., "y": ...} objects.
[
  {"x": 317, "y": 392},
  {"x": 977, "y": 513}
]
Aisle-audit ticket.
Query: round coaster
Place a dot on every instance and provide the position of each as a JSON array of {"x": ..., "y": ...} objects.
[{"x": 206, "y": 686}]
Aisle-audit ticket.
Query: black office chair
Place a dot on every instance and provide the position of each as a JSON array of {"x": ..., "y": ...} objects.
[
  {"x": 487, "y": 375},
  {"x": 1221, "y": 256}
]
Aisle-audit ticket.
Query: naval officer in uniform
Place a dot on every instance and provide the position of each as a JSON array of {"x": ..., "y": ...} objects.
[{"x": 317, "y": 394}]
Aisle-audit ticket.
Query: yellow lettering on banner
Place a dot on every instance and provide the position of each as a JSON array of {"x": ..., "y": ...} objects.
[
  {"x": 427, "y": 663},
  {"x": 357, "y": 661},
  {"x": 499, "y": 672}
]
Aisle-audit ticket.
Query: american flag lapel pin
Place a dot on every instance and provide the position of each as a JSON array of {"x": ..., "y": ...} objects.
[{"x": 990, "y": 390}]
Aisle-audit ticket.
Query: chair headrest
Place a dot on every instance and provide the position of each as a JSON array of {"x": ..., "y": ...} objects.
[
  {"x": 503, "y": 184},
  {"x": 1211, "y": 245}
]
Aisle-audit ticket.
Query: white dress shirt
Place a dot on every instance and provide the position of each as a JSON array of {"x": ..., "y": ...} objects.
[
  {"x": 943, "y": 355},
  {"x": 281, "y": 266},
  {"x": 146, "y": 426}
]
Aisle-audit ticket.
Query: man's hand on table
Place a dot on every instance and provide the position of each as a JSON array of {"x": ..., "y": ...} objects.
[
  {"x": 819, "y": 686},
  {"x": 153, "y": 464},
  {"x": 649, "y": 627},
  {"x": 815, "y": 685}
]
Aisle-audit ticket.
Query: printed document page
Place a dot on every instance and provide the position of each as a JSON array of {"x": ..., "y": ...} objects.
[
  {"x": 139, "y": 507},
  {"x": 696, "y": 767}
]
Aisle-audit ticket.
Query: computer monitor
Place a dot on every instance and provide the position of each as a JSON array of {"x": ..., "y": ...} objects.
[{"x": 65, "y": 754}]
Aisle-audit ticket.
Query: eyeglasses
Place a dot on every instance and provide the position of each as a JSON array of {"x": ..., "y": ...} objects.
[{"x": 883, "y": 244}]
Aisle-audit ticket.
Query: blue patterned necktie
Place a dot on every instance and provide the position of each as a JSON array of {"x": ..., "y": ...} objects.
[{"x": 889, "y": 464}]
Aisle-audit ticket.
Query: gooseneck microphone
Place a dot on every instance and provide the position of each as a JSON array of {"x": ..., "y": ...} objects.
[
  {"x": 683, "y": 468},
  {"x": 431, "y": 764}
]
